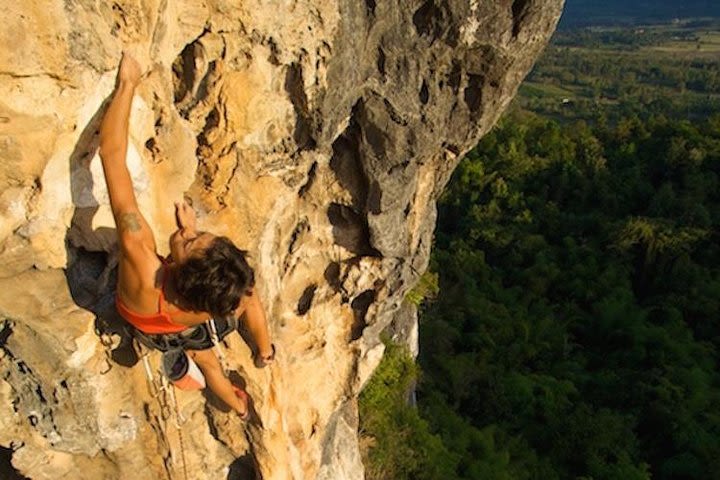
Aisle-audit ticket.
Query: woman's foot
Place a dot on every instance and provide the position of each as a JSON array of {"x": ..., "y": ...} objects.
[
  {"x": 244, "y": 398},
  {"x": 263, "y": 361}
]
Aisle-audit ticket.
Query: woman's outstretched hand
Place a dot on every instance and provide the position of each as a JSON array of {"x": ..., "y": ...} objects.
[
  {"x": 129, "y": 70},
  {"x": 185, "y": 216}
]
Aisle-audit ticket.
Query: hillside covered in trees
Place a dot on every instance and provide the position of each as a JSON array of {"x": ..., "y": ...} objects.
[
  {"x": 570, "y": 328},
  {"x": 575, "y": 334}
]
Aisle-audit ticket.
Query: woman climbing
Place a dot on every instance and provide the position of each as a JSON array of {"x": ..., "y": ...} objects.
[{"x": 205, "y": 275}]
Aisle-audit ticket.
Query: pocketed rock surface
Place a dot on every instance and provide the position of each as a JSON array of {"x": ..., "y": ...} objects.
[{"x": 315, "y": 134}]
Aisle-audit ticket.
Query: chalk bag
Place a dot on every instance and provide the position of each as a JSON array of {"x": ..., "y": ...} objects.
[{"x": 182, "y": 370}]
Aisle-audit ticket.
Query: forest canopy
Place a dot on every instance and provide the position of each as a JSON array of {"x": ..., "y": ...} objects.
[{"x": 575, "y": 334}]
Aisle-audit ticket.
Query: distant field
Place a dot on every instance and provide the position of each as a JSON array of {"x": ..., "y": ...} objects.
[
  {"x": 533, "y": 89},
  {"x": 617, "y": 71},
  {"x": 706, "y": 42}
]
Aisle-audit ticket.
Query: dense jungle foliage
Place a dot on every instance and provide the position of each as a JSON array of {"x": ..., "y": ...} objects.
[{"x": 576, "y": 332}]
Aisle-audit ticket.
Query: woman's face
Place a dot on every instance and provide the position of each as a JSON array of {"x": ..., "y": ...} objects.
[{"x": 186, "y": 243}]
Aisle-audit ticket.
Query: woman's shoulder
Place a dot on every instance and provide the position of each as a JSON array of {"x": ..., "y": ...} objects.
[{"x": 140, "y": 279}]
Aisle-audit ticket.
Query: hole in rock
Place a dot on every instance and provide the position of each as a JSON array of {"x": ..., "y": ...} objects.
[
  {"x": 212, "y": 428},
  {"x": 212, "y": 120},
  {"x": 332, "y": 276},
  {"x": 39, "y": 393},
  {"x": 244, "y": 468},
  {"x": 424, "y": 93},
  {"x": 146, "y": 411},
  {"x": 360, "y": 306},
  {"x": 381, "y": 61},
  {"x": 454, "y": 77},
  {"x": 23, "y": 368},
  {"x": 310, "y": 180},
  {"x": 473, "y": 92},
  {"x": 306, "y": 299},
  {"x": 183, "y": 69},
  {"x": 518, "y": 13},
  {"x": 294, "y": 244},
  {"x": 346, "y": 161},
  {"x": 350, "y": 230},
  {"x": 275, "y": 52},
  {"x": 428, "y": 19},
  {"x": 295, "y": 88},
  {"x": 454, "y": 149},
  {"x": 370, "y": 5},
  {"x": 374, "y": 200},
  {"x": 7, "y": 331},
  {"x": 7, "y": 471},
  {"x": 152, "y": 146},
  {"x": 85, "y": 277}
]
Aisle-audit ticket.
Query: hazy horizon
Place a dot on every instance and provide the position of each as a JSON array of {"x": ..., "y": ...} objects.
[{"x": 579, "y": 13}]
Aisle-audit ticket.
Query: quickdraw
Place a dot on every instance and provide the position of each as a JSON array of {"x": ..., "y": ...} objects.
[
  {"x": 108, "y": 343},
  {"x": 217, "y": 346}
]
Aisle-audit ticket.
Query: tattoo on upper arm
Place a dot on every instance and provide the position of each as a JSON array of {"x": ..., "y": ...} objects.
[{"x": 129, "y": 222}]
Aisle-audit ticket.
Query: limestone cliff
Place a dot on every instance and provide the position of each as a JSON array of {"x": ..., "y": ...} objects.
[{"x": 316, "y": 134}]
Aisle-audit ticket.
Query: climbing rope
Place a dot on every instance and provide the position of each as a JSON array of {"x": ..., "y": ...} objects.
[
  {"x": 155, "y": 390},
  {"x": 169, "y": 390},
  {"x": 179, "y": 420},
  {"x": 160, "y": 389}
]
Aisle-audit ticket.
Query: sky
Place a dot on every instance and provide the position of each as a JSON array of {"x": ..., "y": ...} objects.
[{"x": 633, "y": 12}]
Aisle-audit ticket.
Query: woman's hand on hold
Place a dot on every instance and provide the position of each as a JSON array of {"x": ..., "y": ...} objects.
[
  {"x": 185, "y": 216},
  {"x": 129, "y": 71}
]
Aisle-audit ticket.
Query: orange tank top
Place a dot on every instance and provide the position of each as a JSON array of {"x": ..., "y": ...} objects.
[{"x": 154, "y": 323}]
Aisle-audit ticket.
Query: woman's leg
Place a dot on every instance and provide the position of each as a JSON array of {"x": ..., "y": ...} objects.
[
  {"x": 217, "y": 381},
  {"x": 257, "y": 325}
]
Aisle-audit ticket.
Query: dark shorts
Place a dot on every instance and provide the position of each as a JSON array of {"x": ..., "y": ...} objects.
[{"x": 194, "y": 338}]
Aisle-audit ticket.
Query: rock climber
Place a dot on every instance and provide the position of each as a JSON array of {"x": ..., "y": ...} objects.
[{"x": 204, "y": 276}]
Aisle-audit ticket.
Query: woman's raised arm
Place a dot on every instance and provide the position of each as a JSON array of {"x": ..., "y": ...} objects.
[{"x": 133, "y": 230}]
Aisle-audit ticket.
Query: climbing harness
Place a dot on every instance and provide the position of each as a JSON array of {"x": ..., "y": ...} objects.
[{"x": 199, "y": 337}]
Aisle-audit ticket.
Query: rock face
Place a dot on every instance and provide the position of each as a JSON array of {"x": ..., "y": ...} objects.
[{"x": 315, "y": 134}]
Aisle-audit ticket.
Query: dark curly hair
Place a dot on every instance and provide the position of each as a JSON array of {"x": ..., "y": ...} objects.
[{"x": 216, "y": 281}]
